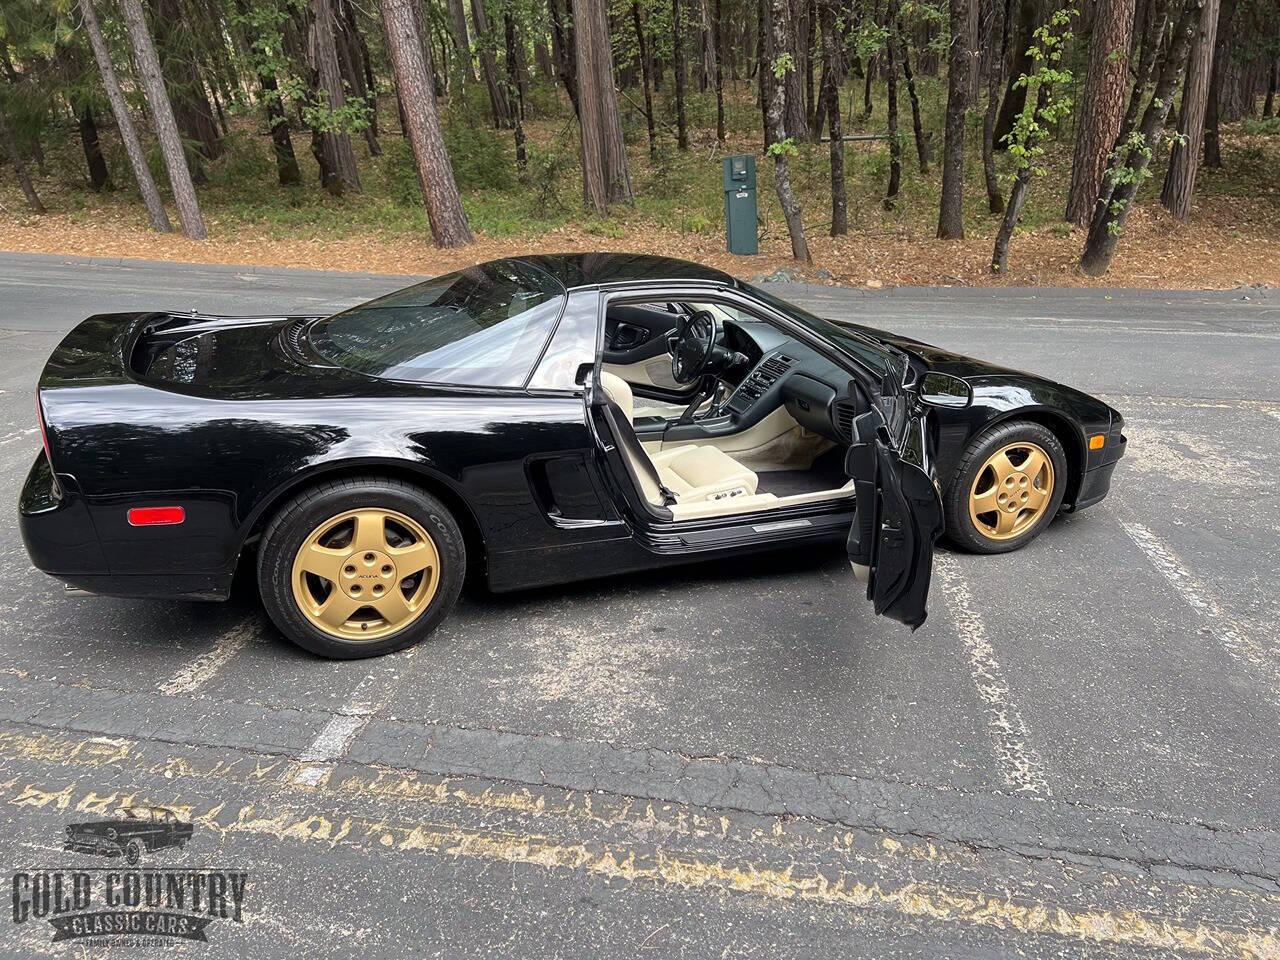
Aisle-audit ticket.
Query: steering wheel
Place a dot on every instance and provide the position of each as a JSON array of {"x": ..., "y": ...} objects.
[{"x": 691, "y": 345}]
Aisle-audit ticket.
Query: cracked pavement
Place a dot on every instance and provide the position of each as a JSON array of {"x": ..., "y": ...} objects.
[{"x": 730, "y": 760}]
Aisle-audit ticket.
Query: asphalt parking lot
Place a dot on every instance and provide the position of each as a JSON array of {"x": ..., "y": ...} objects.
[{"x": 1075, "y": 756}]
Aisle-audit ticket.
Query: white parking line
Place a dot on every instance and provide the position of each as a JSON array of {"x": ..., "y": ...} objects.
[
  {"x": 336, "y": 736},
  {"x": 1020, "y": 766},
  {"x": 1232, "y": 637},
  {"x": 202, "y": 669}
]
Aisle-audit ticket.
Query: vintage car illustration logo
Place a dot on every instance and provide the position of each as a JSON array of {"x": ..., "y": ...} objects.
[
  {"x": 129, "y": 904},
  {"x": 131, "y": 833}
]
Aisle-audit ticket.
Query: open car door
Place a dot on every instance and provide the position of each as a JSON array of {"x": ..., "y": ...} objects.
[{"x": 897, "y": 518}]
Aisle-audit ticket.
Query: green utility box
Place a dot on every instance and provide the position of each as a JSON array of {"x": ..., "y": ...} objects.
[{"x": 740, "y": 205}]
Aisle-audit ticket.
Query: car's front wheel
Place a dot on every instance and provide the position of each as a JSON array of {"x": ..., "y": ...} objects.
[
  {"x": 1007, "y": 488},
  {"x": 358, "y": 567}
]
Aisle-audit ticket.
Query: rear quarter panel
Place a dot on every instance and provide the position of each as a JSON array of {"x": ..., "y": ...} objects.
[{"x": 228, "y": 462}]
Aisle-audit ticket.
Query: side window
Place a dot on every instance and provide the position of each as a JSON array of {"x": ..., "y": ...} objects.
[{"x": 572, "y": 345}]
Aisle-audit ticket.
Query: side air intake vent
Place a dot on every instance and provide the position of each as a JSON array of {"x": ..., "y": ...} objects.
[{"x": 845, "y": 411}]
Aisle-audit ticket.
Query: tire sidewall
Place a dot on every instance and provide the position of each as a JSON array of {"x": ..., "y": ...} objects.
[
  {"x": 961, "y": 530},
  {"x": 298, "y": 519}
]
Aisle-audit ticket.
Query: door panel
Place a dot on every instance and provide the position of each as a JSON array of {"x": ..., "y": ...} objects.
[
  {"x": 898, "y": 518},
  {"x": 636, "y": 349}
]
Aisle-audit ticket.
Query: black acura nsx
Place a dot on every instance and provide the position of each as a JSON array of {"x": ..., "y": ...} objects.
[{"x": 541, "y": 419}]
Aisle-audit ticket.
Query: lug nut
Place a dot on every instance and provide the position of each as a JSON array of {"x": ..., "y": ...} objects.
[{"x": 369, "y": 557}]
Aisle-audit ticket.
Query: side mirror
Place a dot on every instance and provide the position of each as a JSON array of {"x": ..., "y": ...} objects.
[{"x": 944, "y": 390}]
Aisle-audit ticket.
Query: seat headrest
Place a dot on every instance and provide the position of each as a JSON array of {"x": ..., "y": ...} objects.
[{"x": 619, "y": 391}]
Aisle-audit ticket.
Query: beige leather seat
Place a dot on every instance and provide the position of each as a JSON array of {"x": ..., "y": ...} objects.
[{"x": 691, "y": 473}]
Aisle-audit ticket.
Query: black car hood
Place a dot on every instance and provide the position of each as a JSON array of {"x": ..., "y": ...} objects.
[{"x": 936, "y": 358}]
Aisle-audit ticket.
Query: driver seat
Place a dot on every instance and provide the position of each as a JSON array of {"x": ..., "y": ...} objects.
[{"x": 686, "y": 474}]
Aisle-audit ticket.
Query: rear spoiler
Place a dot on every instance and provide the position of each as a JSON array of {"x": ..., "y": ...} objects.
[{"x": 97, "y": 351}]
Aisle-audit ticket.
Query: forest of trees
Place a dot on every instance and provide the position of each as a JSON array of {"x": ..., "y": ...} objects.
[{"x": 1132, "y": 82}]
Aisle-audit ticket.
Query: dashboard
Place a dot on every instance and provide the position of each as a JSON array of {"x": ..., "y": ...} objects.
[{"x": 817, "y": 393}]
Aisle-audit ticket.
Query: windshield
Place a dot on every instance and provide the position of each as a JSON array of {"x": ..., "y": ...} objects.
[
  {"x": 482, "y": 326},
  {"x": 878, "y": 357}
]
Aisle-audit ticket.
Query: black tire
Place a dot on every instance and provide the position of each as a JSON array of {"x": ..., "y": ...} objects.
[
  {"x": 961, "y": 530},
  {"x": 294, "y": 522},
  {"x": 133, "y": 852}
]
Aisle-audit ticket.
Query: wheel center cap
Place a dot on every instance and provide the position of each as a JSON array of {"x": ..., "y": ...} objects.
[
  {"x": 1014, "y": 492},
  {"x": 367, "y": 574}
]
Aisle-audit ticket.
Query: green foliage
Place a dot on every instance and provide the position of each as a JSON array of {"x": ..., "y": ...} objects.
[
  {"x": 782, "y": 148},
  {"x": 1269, "y": 125},
  {"x": 1045, "y": 107},
  {"x": 482, "y": 156},
  {"x": 782, "y": 66}
]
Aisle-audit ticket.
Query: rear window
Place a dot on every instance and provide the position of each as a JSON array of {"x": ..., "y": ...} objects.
[{"x": 482, "y": 326}]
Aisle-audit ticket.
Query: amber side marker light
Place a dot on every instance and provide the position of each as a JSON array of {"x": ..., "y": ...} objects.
[
  {"x": 1096, "y": 441},
  {"x": 156, "y": 516}
]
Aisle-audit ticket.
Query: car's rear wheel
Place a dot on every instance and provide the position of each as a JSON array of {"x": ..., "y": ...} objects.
[
  {"x": 133, "y": 852},
  {"x": 359, "y": 567},
  {"x": 1007, "y": 488}
]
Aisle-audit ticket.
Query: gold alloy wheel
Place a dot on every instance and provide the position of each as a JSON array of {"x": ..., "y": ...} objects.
[
  {"x": 1012, "y": 491},
  {"x": 364, "y": 574}
]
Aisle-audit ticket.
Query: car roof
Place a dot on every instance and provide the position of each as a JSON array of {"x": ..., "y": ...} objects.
[{"x": 591, "y": 269}]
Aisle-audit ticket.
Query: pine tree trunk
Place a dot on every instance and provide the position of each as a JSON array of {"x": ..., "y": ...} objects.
[
  {"x": 1012, "y": 214},
  {"x": 1184, "y": 159},
  {"x": 184, "y": 192},
  {"x": 604, "y": 158},
  {"x": 1222, "y": 52},
  {"x": 124, "y": 121},
  {"x": 187, "y": 97},
  {"x": 414, "y": 83},
  {"x": 1273, "y": 81},
  {"x": 677, "y": 46},
  {"x": 1157, "y": 19},
  {"x": 461, "y": 41},
  {"x": 994, "y": 52},
  {"x": 99, "y": 175},
  {"x": 951, "y": 207},
  {"x": 351, "y": 65},
  {"x": 923, "y": 153},
  {"x": 1030, "y": 15},
  {"x": 646, "y": 67},
  {"x": 830, "y": 93},
  {"x": 895, "y": 145},
  {"x": 1118, "y": 191},
  {"x": 489, "y": 67},
  {"x": 564, "y": 52},
  {"x": 10, "y": 146},
  {"x": 797, "y": 118},
  {"x": 513, "y": 90},
  {"x": 1103, "y": 109},
  {"x": 721, "y": 52},
  {"x": 340, "y": 157},
  {"x": 781, "y": 168}
]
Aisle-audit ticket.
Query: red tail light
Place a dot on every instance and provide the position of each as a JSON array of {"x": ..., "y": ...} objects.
[{"x": 156, "y": 516}]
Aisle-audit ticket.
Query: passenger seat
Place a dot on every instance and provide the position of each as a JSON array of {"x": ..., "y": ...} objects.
[{"x": 686, "y": 474}]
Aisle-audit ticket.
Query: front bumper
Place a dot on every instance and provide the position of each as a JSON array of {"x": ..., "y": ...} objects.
[
  {"x": 95, "y": 845},
  {"x": 1095, "y": 483}
]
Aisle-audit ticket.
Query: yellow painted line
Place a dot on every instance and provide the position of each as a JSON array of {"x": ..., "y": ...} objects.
[
  {"x": 64, "y": 750},
  {"x": 794, "y": 884}
]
